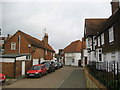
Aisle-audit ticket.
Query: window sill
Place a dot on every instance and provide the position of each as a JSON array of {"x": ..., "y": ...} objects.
[{"x": 111, "y": 43}]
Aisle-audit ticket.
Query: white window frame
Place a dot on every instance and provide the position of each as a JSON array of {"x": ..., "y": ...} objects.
[
  {"x": 45, "y": 52},
  {"x": 13, "y": 46},
  {"x": 102, "y": 39},
  {"x": 98, "y": 41},
  {"x": 111, "y": 35}
]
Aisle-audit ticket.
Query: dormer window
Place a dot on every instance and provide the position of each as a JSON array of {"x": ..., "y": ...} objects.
[
  {"x": 13, "y": 46},
  {"x": 111, "y": 35}
]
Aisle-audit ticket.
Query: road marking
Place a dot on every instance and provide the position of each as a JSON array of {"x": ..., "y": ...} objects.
[{"x": 64, "y": 79}]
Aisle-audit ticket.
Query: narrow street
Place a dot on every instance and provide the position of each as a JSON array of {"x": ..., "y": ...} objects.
[{"x": 66, "y": 77}]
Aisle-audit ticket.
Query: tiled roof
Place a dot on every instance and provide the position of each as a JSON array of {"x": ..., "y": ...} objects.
[
  {"x": 36, "y": 42},
  {"x": 111, "y": 20},
  {"x": 92, "y": 26},
  {"x": 75, "y": 46}
]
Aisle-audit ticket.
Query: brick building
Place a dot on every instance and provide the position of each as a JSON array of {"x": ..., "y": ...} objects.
[{"x": 21, "y": 42}]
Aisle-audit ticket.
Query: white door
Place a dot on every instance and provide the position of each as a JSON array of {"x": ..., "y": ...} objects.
[{"x": 23, "y": 67}]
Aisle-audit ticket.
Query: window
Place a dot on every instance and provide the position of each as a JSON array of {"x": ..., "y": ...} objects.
[
  {"x": 28, "y": 57},
  {"x": 98, "y": 41},
  {"x": 1, "y": 41},
  {"x": 73, "y": 60},
  {"x": 111, "y": 35},
  {"x": 102, "y": 39},
  {"x": 88, "y": 42},
  {"x": 13, "y": 46}
]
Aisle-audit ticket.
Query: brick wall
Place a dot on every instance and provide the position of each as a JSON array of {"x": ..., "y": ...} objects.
[
  {"x": 27, "y": 65},
  {"x": 91, "y": 81},
  {"x": 23, "y": 46},
  {"x": 49, "y": 55},
  {"x": 8, "y": 69},
  {"x": 18, "y": 68},
  {"x": 39, "y": 53}
]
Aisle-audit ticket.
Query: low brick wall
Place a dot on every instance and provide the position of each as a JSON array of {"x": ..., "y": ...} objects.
[
  {"x": 91, "y": 81},
  {"x": 8, "y": 69}
]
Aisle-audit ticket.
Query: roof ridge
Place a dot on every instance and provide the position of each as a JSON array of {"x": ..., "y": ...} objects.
[{"x": 36, "y": 41}]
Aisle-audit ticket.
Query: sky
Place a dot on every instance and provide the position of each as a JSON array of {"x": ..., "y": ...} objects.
[{"x": 63, "y": 19}]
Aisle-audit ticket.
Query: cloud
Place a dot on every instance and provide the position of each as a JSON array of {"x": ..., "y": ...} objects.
[{"x": 64, "y": 21}]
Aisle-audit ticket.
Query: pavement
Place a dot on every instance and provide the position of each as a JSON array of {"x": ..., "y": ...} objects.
[{"x": 10, "y": 81}]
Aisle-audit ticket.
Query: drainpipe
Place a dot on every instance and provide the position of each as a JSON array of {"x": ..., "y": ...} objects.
[{"x": 15, "y": 68}]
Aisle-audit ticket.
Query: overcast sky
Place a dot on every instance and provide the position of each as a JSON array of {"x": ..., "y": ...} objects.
[{"x": 64, "y": 20}]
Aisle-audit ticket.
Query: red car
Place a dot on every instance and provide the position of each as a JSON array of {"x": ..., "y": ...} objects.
[
  {"x": 37, "y": 71},
  {"x": 2, "y": 78}
]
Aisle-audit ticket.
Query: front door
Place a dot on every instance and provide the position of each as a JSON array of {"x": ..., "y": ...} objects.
[{"x": 23, "y": 67}]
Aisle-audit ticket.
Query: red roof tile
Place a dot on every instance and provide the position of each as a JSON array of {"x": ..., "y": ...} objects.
[
  {"x": 36, "y": 42},
  {"x": 75, "y": 46},
  {"x": 92, "y": 26}
]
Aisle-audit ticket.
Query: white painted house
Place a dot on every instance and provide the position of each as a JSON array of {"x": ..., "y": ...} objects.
[{"x": 73, "y": 53}]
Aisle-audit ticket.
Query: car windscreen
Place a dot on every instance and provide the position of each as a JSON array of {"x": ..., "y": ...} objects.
[
  {"x": 46, "y": 64},
  {"x": 36, "y": 68}
]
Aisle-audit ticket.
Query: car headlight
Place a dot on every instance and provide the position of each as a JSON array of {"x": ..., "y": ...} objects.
[
  {"x": 47, "y": 68},
  {"x": 36, "y": 73},
  {"x": 55, "y": 65},
  {"x": 27, "y": 72}
]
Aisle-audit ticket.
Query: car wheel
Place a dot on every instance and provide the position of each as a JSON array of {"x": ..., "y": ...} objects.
[
  {"x": 3, "y": 81},
  {"x": 46, "y": 73},
  {"x": 40, "y": 75}
]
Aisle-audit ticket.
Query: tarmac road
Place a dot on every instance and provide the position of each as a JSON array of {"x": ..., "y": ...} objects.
[{"x": 66, "y": 77}]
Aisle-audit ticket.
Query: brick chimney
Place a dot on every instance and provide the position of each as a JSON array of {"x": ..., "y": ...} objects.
[
  {"x": 115, "y": 5},
  {"x": 45, "y": 39}
]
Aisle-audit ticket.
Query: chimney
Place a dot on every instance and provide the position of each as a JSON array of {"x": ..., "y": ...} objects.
[
  {"x": 115, "y": 5},
  {"x": 8, "y": 35},
  {"x": 45, "y": 39}
]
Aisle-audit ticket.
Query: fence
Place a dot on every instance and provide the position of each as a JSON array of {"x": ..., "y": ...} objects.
[{"x": 108, "y": 73}]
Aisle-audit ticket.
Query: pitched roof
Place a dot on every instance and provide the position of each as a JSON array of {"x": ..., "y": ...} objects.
[
  {"x": 111, "y": 20},
  {"x": 92, "y": 26},
  {"x": 75, "y": 46},
  {"x": 36, "y": 42}
]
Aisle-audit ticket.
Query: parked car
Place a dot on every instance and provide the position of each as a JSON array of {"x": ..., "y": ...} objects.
[
  {"x": 57, "y": 65},
  {"x": 61, "y": 64},
  {"x": 37, "y": 71},
  {"x": 50, "y": 67},
  {"x": 2, "y": 78}
]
